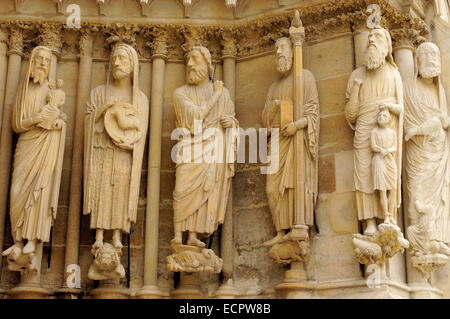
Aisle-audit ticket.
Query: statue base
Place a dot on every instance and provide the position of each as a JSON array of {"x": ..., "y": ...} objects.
[
  {"x": 379, "y": 247},
  {"x": 149, "y": 292},
  {"x": 187, "y": 258},
  {"x": 429, "y": 263},
  {"x": 425, "y": 291},
  {"x": 359, "y": 289},
  {"x": 28, "y": 292},
  {"x": 226, "y": 291},
  {"x": 68, "y": 293},
  {"x": 295, "y": 284},
  {"x": 106, "y": 264},
  {"x": 189, "y": 287},
  {"x": 109, "y": 293}
]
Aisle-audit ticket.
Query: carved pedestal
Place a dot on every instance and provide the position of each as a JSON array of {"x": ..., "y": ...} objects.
[
  {"x": 226, "y": 291},
  {"x": 150, "y": 292},
  {"x": 187, "y": 258},
  {"x": 29, "y": 266},
  {"x": 293, "y": 250},
  {"x": 110, "y": 289},
  {"x": 189, "y": 287}
]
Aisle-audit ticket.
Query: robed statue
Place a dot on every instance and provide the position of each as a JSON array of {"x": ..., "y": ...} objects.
[
  {"x": 115, "y": 131},
  {"x": 38, "y": 156}
]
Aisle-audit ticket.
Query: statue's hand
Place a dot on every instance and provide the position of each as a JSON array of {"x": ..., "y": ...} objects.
[
  {"x": 289, "y": 129},
  {"x": 226, "y": 121},
  {"x": 444, "y": 121},
  {"x": 58, "y": 124}
]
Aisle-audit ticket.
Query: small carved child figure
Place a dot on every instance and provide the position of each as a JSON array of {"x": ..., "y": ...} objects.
[
  {"x": 52, "y": 110},
  {"x": 383, "y": 142}
]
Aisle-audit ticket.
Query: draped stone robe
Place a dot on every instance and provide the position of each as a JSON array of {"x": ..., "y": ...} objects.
[
  {"x": 381, "y": 85},
  {"x": 37, "y": 167},
  {"x": 112, "y": 174},
  {"x": 280, "y": 185},
  {"x": 201, "y": 187},
  {"x": 427, "y": 160}
]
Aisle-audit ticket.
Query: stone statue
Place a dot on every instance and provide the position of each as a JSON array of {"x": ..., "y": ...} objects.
[
  {"x": 202, "y": 184},
  {"x": 37, "y": 159},
  {"x": 280, "y": 187},
  {"x": 427, "y": 161},
  {"x": 383, "y": 142},
  {"x": 115, "y": 131},
  {"x": 373, "y": 91}
]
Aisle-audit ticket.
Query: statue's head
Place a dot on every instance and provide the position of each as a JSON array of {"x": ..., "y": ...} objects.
[
  {"x": 106, "y": 258},
  {"x": 383, "y": 117},
  {"x": 428, "y": 60},
  {"x": 379, "y": 47},
  {"x": 40, "y": 64},
  {"x": 284, "y": 55},
  {"x": 199, "y": 64},
  {"x": 121, "y": 63}
]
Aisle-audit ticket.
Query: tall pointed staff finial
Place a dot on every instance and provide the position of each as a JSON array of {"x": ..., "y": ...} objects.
[{"x": 297, "y": 35}]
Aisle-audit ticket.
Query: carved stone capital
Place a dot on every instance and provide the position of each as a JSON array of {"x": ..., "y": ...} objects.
[
  {"x": 86, "y": 43},
  {"x": 50, "y": 36},
  {"x": 406, "y": 37},
  {"x": 4, "y": 35},
  {"x": 158, "y": 46},
  {"x": 121, "y": 33},
  {"x": 16, "y": 37},
  {"x": 194, "y": 36},
  {"x": 228, "y": 42}
]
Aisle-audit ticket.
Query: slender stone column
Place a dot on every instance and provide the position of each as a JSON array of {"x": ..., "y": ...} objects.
[
  {"x": 226, "y": 290},
  {"x": 76, "y": 177},
  {"x": 159, "y": 56},
  {"x": 12, "y": 82},
  {"x": 3, "y": 66}
]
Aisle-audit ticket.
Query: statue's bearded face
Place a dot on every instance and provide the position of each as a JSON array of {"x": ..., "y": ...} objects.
[
  {"x": 121, "y": 64},
  {"x": 284, "y": 56},
  {"x": 377, "y": 50},
  {"x": 41, "y": 66},
  {"x": 429, "y": 61},
  {"x": 383, "y": 118},
  {"x": 197, "y": 67}
]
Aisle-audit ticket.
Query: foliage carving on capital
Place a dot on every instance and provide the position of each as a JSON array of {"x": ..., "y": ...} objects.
[
  {"x": 86, "y": 43},
  {"x": 194, "y": 36},
  {"x": 50, "y": 36},
  {"x": 228, "y": 41},
  {"x": 16, "y": 39},
  {"x": 158, "y": 46}
]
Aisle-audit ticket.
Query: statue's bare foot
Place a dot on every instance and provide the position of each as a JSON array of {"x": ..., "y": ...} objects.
[
  {"x": 8, "y": 251},
  {"x": 98, "y": 244},
  {"x": 176, "y": 241},
  {"x": 30, "y": 247},
  {"x": 370, "y": 230},
  {"x": 195, "y": 242},
  {"x": 278, "y": 238},
  {"x": 116, "y": 243}
]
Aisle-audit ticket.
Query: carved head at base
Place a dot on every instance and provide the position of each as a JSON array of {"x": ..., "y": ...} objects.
[{"x": 106, "y": 258}]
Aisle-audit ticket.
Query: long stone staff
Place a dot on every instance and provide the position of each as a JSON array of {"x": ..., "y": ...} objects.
[{"x": 297, "y": 35}]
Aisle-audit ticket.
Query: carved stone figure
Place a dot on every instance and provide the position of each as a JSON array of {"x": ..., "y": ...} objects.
[
  {"x": 383, "y": 142},
  {"x": 115, "y": 131},
  {"x": 37, "y": 159},
  {"x": 375, "y": 94},
  {"x": 427, "y": 162},
  {"x": 281, "y": 187},
  {"x": 202, "y": 183}
]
